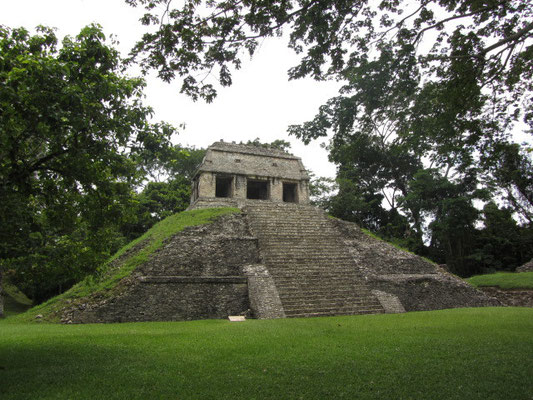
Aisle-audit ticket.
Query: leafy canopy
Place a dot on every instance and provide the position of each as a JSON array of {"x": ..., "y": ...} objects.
[
  {"x": 74, "y": 141},
  {"x": 449, "y": 39}
]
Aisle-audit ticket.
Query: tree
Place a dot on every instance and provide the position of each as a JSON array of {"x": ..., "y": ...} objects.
[
  {"x": 432, "y": 89},
  {"x": 487, "y": 44},
  {"x": 278, "y": 144},
  {"x": 157, "y": 201},
  {"x": 169, "y": 161},
  {"x": 73, "y": 133},
  {"x": 321, "y": 189},
  {"x": 513, "y": 174},
  {"x": 501, "y": 244}
]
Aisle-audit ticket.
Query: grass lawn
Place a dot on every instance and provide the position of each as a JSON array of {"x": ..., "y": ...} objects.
[
  {"x": 504, "y": 280},
  {"x": 484, "y": 353}
]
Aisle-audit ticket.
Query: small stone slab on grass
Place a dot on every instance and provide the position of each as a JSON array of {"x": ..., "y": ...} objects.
[{"x": 236, "y": 318}]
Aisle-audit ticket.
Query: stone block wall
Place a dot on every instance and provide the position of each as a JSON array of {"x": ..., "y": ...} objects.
[
  {"x": 298, "y": 263},
  {"x": 197, "y": 274},
  {"x": 207, "y": 187},
  {"x": 242, "y": 163},
  {"x": 417, "y": 283}
]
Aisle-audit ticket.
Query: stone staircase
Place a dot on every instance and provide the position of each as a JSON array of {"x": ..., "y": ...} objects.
[{"x": 311, "y": 268}]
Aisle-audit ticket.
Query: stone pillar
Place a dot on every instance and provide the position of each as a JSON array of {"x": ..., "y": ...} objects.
[
  {"x": 206, "y": 184},
  {"x": 303, "y": 192},
  {"x": 240, "y": 187},
  {"x": 276, "y": 190}
]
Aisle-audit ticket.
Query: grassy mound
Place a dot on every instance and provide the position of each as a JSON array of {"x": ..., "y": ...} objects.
[
  {"x": 504, "y": 280},
  {"x": 15, "y": 302},
  {"x": 122, "y": 263},
  {"x": 449, "y": 354}
]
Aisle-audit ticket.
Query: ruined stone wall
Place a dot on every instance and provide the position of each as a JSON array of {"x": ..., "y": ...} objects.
[
  {"x": 206, "y": 185},
  {"x": 418, "y": 284},
  {"x": 242, "y": 163},
  {"x": 197, "y": 274},
  {"x": 216, "y": 270},
  {"x": 239, "y": 187},
  {"x": 527, "y": 267},
  {"x": 511, "y": 297}
]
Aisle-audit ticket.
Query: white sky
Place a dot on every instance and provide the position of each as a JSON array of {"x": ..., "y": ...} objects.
[{"x": 260, "y": 103}]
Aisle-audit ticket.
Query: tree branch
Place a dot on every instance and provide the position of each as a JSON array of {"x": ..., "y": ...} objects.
[
  {"x": 454, "y": 17},
  {"x": 522, "y": 32}
]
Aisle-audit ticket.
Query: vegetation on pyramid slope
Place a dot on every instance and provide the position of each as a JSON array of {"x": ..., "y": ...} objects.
[
  {"x": 504, "y": 280},
  {"x": 124, "y": 262},
  {"x": 15, "y": 301}
]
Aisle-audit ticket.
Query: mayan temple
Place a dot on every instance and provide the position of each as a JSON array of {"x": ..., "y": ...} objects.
[
  {"x": 231, "y": 174},
  {"x": 279, "y": 257}
]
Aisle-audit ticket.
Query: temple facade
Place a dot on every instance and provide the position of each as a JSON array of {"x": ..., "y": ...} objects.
[{"x": 235, "y": 173}]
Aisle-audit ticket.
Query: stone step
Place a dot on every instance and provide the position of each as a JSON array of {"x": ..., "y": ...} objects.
[
  {"x": 351, "y": 280},
  {"x": 303, "y": 243},
  {"x": 319, "y": 308},
  {"x": 288, "y": 228},
  {"x": 337, "y": 303},
  {"x": 313, "y": 280},
  {"x": 316, "y": 273},
  {"x": 291, "y": 289},
  {"x": 316, "y": 264},
  {"x": 311, "y": 255},
  {"x": 312, "y": 269},
  {"x": 325, "y": 251},
  {"x": 280, "y": 234},
  {"x": 317, "y": 268},
  {"x": 333, "y": 313}
]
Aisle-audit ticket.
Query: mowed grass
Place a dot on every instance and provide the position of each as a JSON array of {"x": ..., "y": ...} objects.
[
  {"x": 504, "y": 280},
  {"x": 484, "y": 353}
]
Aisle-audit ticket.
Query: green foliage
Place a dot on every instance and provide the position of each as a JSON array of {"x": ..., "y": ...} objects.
[
  {"x": 278, "y": 144},
  {"x": 171, "y": 161},
  {"x": 74, "y": 143},
  {"x": 502, "y": 244},
  {"x": 447, "y": 354},
  {"x": 129, "y": 257},
  {"x": 431, "y": 93},
  {"x": 513, "y": 174},
  {"x": 472, "y": 52},
  {"x": 504, "y": 280},
  {"x": 320, "y": 191},
  {"x": 15, "y": 301},
  {"x": 157, "y": 201}
]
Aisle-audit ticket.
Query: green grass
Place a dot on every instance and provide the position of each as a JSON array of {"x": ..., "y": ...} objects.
[
  {"x": 450, "y": 354},
  {"x": 124, "y": 262},
  {"x": 15, "y": 302},
  {"x": 504, "y": 280}
]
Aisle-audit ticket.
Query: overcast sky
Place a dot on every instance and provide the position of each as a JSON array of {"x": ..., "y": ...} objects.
[{"x": 260, "y": 103}]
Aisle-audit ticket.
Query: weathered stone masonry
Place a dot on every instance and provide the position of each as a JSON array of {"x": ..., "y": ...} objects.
[
  {"x": 279, "y": 258},
  {"x": 199, "y": 273},
  {"x": 233, "y": 173}
]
